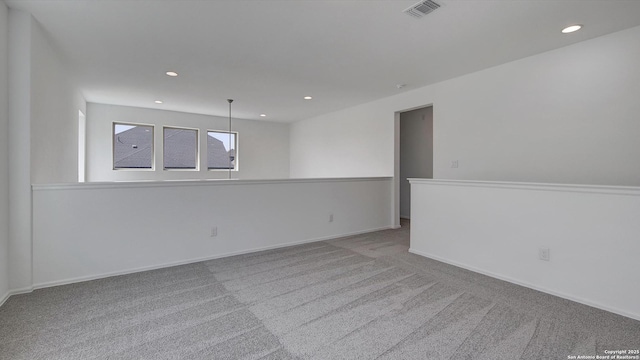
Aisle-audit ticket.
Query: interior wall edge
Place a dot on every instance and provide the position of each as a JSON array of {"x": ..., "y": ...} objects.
[{"x": 20, "y": 38}]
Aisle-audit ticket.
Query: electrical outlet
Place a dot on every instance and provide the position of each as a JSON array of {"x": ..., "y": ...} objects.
[
  {"x": 214, "y": 231},
  {"x": 544, "y": 254},
  {"x": 330, "y": 217},
  {"x": 454, "y": 164}
]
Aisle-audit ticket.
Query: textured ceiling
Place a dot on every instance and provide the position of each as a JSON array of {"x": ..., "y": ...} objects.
[{"x": 268, "y": 54}]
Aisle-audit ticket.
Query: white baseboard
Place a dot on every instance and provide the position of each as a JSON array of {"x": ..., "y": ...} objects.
[
  {"x": 528, "y": 285},
  {"x": 4, "y": 298},
  {"x": 191, "y": 261},
  {"x": 24, "y": 290},
  {"x": 333, "y": 237},
  {"x": 14, "y": 292}
]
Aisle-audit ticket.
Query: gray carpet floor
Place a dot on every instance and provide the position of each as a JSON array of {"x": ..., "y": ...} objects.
[{"x": 361, "y": 297}]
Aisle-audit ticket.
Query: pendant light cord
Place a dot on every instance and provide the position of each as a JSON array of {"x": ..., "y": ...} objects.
[{"x": 230, "y": 101}]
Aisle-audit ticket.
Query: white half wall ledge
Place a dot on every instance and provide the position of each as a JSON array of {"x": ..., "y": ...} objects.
[
  {"x": 193, "y": 182},
  {"x": 89, "y": 231},
  {"x": 498, "y": 228},
  {"x": 583, "y": 188}
]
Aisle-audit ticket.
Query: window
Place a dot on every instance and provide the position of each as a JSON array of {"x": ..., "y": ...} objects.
[
  {"x": 132, "y": 146},
  {"x": 180, "y": 149},
  {"x": 222, "y": 149}
]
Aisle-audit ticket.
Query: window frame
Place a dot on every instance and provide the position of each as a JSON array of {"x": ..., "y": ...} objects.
[
  {"x": 237, "y": 146},
  {"x": 113, "y": 146},
  {"x": 164, "y": 148}
]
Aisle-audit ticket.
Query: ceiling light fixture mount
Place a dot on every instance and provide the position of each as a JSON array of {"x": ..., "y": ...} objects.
[
  {"x": 572, "y": 28},
  {"x": 171, "y": 73}
]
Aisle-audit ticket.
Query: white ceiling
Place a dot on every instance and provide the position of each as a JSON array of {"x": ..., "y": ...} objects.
[{"x": 268, "y": 54}]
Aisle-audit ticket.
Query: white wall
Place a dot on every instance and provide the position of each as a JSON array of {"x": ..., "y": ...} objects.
[
  {"x": 564, "y": 116},
  {"x": 498, "y": 229},
  {"x": 19, "y": 150},
  {"x": 43, "y": 113},
  {"x": 416, "y": 152},
  {"x": 4, "y": 152},
  {"x": 55, "y": 102},
  {"x": 112, "y": 228},
  {"x": 346, "y": 143},
  {"x": 263, "y": 147}
]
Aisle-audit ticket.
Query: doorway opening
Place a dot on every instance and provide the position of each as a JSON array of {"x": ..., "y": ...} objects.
[{"x": 415, "y": 153}]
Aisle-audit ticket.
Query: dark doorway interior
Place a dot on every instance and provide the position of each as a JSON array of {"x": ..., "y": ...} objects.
[{"x": 416, "y": 152}]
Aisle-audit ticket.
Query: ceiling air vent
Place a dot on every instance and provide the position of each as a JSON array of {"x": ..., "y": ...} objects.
[{"x": 422, "y": 8}]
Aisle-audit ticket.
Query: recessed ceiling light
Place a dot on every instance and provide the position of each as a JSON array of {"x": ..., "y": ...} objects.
[
  {"x": 572, "y": 28},
  {"x": 263, "y": 115},
  {"x": 308, "y": 98},
  {"x": 172, "y": 73},
  {"x": 158, "y": 101}
]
